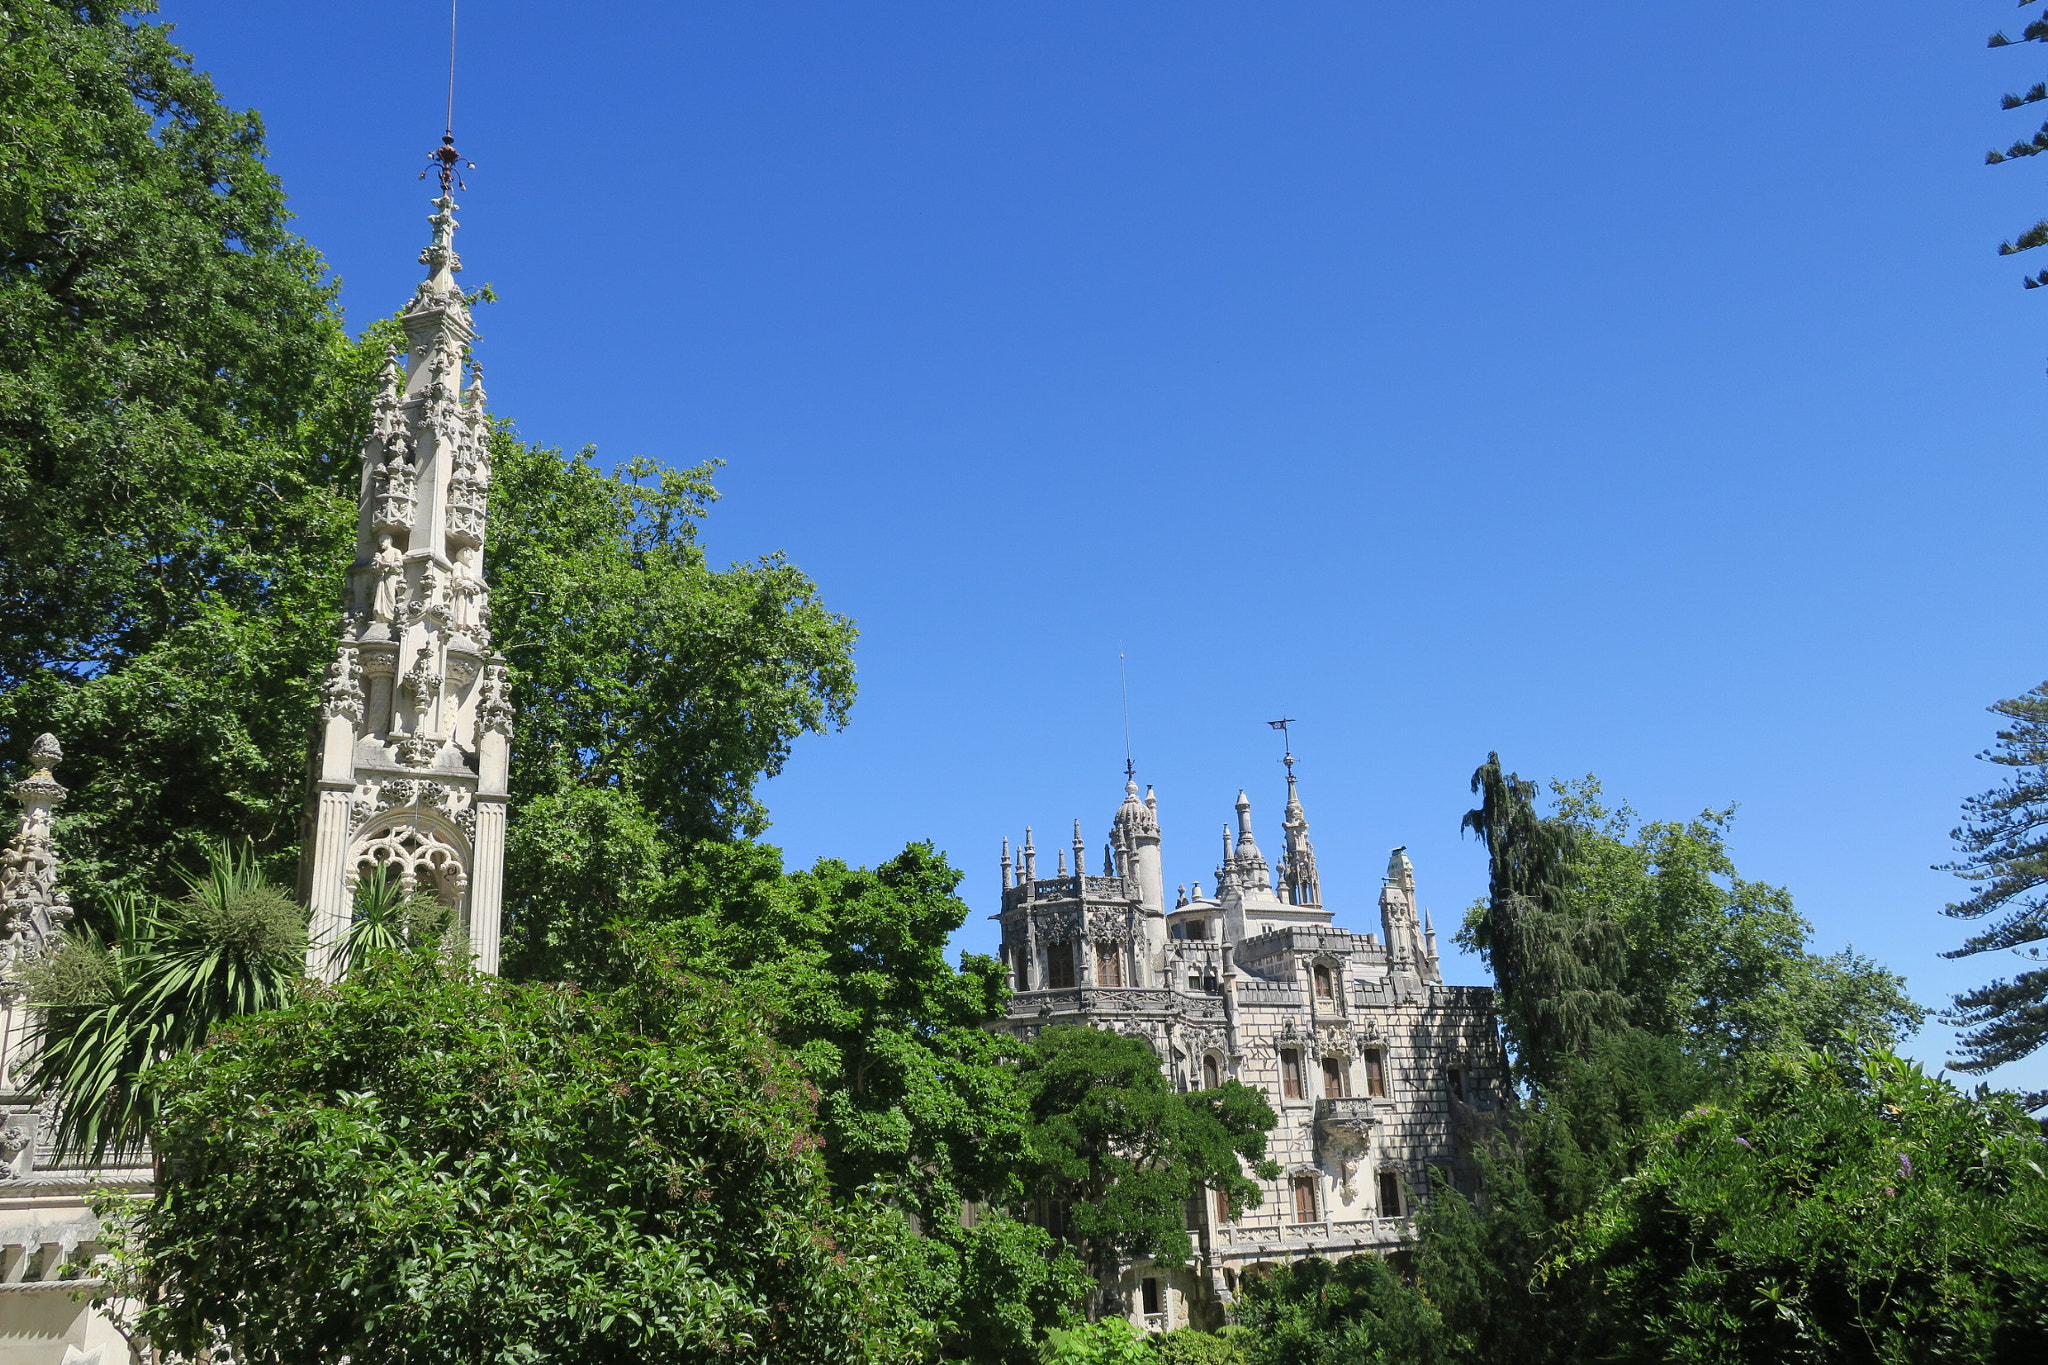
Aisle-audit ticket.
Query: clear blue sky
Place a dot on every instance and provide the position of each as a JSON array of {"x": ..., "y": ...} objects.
[{"x": 1630, "y": 388}]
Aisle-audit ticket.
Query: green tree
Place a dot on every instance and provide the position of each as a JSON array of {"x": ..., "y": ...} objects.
[
  {"x": 2035, "y": 32},
  {"x": 2003, "y": 841},
  {"x": 1557, "y": 970},
  {"x": 1844, "y": 1207},
  {"x": 918, "y": 1102},
  {"x": 1709, "y": 958},
  {"x": 1659, "y": 975},
  {"x": 423, "y": 1162},
  {"x": 1355, "y": 1311},
  {"x": 1120, "y": 1154},
  {"x": 174, "y": 406}
]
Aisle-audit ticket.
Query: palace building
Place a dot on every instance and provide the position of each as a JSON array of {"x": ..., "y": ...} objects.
[{"x": 1382, "y": 1076}]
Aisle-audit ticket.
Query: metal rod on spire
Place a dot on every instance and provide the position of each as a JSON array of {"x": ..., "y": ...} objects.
[
  {"x": 444, "y": 158},
  {"x": 1123, "y": 675}
]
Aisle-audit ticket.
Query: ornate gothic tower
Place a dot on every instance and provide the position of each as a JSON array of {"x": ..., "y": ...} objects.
[
  {"x": 1299, "y": 882},
  {"x": 416, "y": 722}
]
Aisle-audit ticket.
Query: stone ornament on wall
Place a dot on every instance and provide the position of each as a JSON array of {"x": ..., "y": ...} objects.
[{"x": 33, "y": 908}]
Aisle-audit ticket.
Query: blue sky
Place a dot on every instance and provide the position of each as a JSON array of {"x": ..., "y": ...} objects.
[{"x": 1628, "y": 388}]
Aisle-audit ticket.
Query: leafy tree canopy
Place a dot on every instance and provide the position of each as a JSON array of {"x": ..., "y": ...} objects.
[
  {"x": 423, "y": 1162},
  {"x": 1356, "y": 1311},
  {"x": 1844, "y": 1207},
  {"x": 1121, "y": 1154}
]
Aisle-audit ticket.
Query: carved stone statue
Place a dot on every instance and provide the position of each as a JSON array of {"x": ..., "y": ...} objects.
[{"x": 389, "y": 564}]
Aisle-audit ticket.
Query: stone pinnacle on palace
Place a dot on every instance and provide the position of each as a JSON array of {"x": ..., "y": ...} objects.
[{"x": 409, "y": 777}]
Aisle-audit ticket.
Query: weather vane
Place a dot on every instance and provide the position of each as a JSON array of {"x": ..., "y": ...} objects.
[
  {"x": 1286, "y": 740},
  {"x": 444, "y": 158}
]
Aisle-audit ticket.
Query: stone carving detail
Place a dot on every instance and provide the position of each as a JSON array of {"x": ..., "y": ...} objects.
[
  {"x": 1104, "y": 930},
  {"x": 342, "y": 692},
  {"x": 394, "y": 490},
  {"x": 421, "y": 858},
  {"x": 33, "y": 908},
  {"x": 388, "y": 570},
  {"x": 14, "y": 1141},
  {"x": 457, "y": 803},
  {"x": 1056, "y": 926},
  {"x": 494, "y": 705}
]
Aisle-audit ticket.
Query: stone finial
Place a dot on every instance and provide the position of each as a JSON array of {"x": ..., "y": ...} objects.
[{"x": 33, "y": 909}]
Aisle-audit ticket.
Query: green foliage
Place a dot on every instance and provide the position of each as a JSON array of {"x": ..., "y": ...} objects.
[
  {"x": 235, "y": 945},
  {"x": 2004, "y": 846},
  {"x": 1844, "y": 1208},
  {"x": 1709, "y": 958},
  {"x": 640, "y": 668},
  {"x": 1557, "y": 969},
  {"x": 1112, "y": 1341},
  {"x": 1356, "y": 1311},
  {"x": 427, "y": 1163},
  {"x": 388, "y": 919},
  {"x": 1640, "y": 975},
  {"x": 1122, "y": 1154},
  {"x": 174, "y": 409},
  {"x": 1192, "y": 1346}
]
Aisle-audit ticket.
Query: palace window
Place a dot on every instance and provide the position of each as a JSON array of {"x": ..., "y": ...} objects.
[
  {"x": 1376, "y": 1073},
  {"x": 1198, "y": 929},
  {"x": 1212, "y": 1073},
  {"x": 1290, "y": 1073},
  {"x": 1148, "y": 1291},
  {"x": 1021, "y": 961},
  {"x": 1390, "y": 1194},
  {"x": 1304, "y": 1199},
  {"x": 1336, "y": 1078},
  {"x": 1059, "y": 966},
  {"x": 1456, "y": 1079},
  {"x": 1109, "y": 965},
  {"x": 1326, "y": 983},
  {"x": 1222, "y": 1208}
]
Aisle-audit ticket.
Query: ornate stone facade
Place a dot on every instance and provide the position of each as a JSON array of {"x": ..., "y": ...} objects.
[
  {"x": 1379, "y": 1072},
  {"x": 415, "y": 723},
  {"x": 48, "y": 1233}
]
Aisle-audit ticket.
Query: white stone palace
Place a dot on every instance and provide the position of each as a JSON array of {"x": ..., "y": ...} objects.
[
  {"x": 1379, "y": 1072},
  {"x": 416, "y": 724}
]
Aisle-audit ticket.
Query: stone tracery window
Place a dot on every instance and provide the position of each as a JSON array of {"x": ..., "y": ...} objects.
[
  {"x": 1212, "y": 1072},
  {"x": 420, "y": 858},
  {"x": 1109, "y": 965}
]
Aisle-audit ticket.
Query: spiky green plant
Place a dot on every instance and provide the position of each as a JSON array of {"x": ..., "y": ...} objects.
[
  {"x": 234, "y": 944},
  {"x": 389, "y": 919}
]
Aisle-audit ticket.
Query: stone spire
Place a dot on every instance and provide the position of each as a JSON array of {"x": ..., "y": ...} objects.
[
  {"x": 416, "y": 719},
  {"x": 1405, "y": 954},
  {"x": 1135, "y": 833},
  {"x": 1299, "y": 884},
  {"x": 1247, "y": 861},
  {"x": 33, "y": 910}
]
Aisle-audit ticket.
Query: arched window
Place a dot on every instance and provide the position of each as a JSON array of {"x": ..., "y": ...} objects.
[
  {"x": 1212, "y": 1073},
  {"x": 1109, "y": 964},
  {"x": 1290, "y": 1073},
  {"x": 1059, "y": 966},
  {"x": 1326, "y": 983}
]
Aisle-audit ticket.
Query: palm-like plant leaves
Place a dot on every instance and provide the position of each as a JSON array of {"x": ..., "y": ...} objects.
[{"x": 234, "y": 945}]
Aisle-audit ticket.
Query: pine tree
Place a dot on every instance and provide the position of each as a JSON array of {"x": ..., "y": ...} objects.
[
  {"x": 1556, "y": 969},
  {"x": 2004, "y": 845}
]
